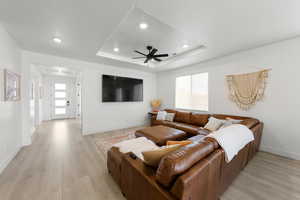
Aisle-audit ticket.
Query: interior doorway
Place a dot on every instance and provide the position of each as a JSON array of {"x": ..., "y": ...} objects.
[{"x": 56, "y": 95}]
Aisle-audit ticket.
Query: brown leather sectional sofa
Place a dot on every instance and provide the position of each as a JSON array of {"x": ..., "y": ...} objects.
[
  {"x": 196, "y": 171},
  {"x": 193, "y": 123}
]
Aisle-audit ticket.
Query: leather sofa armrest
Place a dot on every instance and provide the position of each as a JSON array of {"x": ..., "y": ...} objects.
[
  {"x": 114, "y": 159},
  {"x": 254, "y": 146},
  {"x": 138, "y": 181},
  {"x": 201, "y": 181},
  {"x": 181, "y": 160}
]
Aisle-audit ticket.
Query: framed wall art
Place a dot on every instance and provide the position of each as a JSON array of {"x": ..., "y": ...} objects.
[{"x": 12, "y": 85}]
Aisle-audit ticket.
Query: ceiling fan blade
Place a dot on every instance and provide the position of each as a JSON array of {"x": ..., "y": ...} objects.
[
  {"x": 161, "y": 55},
  {"x": 153, "y": 52},
  {"x": 140, "y": 53},
  {"x": 146, "y": 61},
  {"x": 138, "y": 57},
  {"x": 157, "y": 59}
]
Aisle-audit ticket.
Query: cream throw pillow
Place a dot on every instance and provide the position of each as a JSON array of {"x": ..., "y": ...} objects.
[
  {"x": 153, "y": 158},
  {"x": 161, "y": 115},
  {"x": 170, "y": 117},
  {"x": 214, "y": 124}
]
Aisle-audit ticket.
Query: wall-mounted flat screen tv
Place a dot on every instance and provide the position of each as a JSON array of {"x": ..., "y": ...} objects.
[{"x": 121, "y": 89}]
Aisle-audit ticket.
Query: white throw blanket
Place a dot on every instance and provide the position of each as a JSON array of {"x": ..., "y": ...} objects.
[
  {"x": 232, "y": 139},
  {"x": 136, "y": 146}
]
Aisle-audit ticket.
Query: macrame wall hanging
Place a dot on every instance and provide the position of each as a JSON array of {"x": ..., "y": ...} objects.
[{"x": 246, "y": 89}]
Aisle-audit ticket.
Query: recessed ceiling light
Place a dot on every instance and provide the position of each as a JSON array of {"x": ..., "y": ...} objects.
[
  {"x": 185, "y": 46},
  {"x": 116, "y": 49},
  {"x": 57, "y": 40},
  {"x": 143, "y": 25}
]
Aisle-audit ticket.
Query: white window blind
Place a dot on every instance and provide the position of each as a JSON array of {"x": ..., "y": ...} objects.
[{"x": 192, "y": 92}]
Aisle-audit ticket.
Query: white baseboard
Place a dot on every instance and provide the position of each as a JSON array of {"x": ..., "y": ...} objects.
[
  {"x": 5, "y": 162},
  {"x": 292, "y": 155}
]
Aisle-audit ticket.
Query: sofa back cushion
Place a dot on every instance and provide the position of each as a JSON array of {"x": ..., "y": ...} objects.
[
  {"x": 182, "y": 116},
  {"x": 247, "y": 121},
  {"x": 181, "y": 160},
  {"x": 170, "y": 111},
  {"x": 221, "y": 116},
  {"x": 250, "y": 123},
  {"x": 199, "y": 119}
]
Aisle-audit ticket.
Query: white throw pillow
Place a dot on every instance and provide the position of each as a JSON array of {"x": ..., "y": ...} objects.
[
  {"x": 161, "y": 115},
  {"x": 170, "y": 117},
  {"x": 214, "y": 124}
]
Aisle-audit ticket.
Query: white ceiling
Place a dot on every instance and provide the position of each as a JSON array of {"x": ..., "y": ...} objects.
[
  {"x": 128, "y": 37},
  {"x": 223, "y": 27},
  {"x": 56, "y": 71}
]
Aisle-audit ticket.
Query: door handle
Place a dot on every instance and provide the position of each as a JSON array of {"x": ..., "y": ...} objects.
[{"x": 68, "y": 103}]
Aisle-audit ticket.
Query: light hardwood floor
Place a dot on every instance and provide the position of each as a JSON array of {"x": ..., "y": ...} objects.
[{"x": 63, "y": 165}]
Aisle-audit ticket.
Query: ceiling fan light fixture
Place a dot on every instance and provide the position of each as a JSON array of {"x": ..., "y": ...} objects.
[
  {"x": 57, "y": 40},
  {"x": 143, "y": 25},
  {"x": 185, "y": 46},
  {"x": 116, "y": 49}
]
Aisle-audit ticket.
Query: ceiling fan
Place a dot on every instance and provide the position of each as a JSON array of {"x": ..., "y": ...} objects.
[{"x": 151, "y": 55}]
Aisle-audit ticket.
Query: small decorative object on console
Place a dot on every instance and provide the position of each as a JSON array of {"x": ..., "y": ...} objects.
[{"x": 155, "y": 104}]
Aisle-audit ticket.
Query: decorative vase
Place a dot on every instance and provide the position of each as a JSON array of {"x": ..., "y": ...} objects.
[{"x": 155, "y": 104}]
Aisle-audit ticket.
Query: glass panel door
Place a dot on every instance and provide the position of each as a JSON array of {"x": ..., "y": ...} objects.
[{"x": 60, "y": 103}]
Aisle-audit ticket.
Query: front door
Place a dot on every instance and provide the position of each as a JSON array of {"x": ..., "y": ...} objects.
[{"x": 61, "y": 102}]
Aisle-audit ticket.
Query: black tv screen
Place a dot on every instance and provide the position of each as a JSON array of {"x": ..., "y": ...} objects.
[{"x": 121, "y": 89}]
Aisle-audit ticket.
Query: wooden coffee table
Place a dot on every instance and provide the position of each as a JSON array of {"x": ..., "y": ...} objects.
[{"x": 161, "y": 134}]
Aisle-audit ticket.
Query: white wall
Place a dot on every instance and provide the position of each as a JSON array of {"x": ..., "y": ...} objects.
[
  {"x": 36, "y": 110},
  {"x": 98, "y": 116},
  {"x": 280, "y": 108},
  {"x": 10, "y": 118}
]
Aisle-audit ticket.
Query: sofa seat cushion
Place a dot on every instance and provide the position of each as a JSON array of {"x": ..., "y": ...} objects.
[
  {"x": 155, "y": 122},
  {"x": 189, "y": 128},
  {"x": 181, "y": 160},
  {"x": 199, "y": 119},
  {"x": 169, "y": 124}
]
